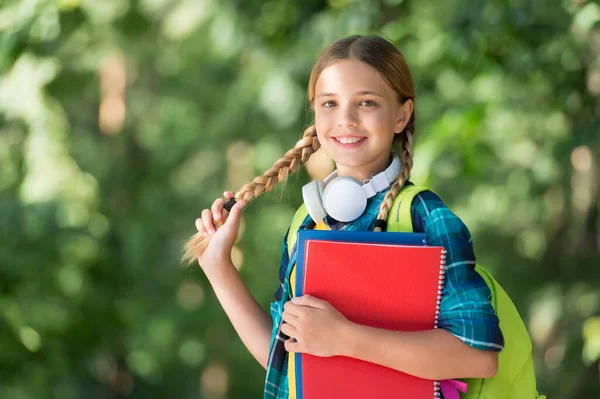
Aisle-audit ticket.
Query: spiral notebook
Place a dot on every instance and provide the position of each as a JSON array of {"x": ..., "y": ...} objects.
[{"x": 385, "y": 280}]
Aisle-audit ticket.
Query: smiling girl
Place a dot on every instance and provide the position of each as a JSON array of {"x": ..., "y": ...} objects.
[{"x": 362, "y": 95}]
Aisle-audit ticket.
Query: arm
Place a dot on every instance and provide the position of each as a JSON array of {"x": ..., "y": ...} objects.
[
  {"x": 433, "y": 354},
  {"x": 252, "y": 324},
  {"x": 250, "y": 321}
]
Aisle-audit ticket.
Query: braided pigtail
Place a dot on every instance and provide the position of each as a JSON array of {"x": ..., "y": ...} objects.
[
  {"x": 406, "y": 140},
  {"x": 289, "y": 163}
]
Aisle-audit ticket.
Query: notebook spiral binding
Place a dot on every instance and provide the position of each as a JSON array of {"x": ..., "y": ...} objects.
[{"x": 436, "y": 384}]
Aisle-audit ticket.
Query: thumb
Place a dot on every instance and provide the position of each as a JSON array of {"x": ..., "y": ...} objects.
[{"x": 233, "y": 220}]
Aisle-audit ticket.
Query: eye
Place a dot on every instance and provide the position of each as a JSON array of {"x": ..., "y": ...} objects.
[
  {"x": 368, "y": 103},
  {"x": 329, "y": 104}
]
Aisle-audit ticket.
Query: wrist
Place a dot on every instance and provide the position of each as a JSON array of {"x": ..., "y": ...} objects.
[
  {"x": 220, "y": 271},
  {"x": 348, "y": 335}
]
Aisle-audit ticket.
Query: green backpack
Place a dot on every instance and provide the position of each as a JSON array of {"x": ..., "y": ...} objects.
[{"x": 515, "y": 378}]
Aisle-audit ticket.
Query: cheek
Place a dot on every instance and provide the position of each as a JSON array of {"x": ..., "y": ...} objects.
[
  {"x": 323, "y": 122},
  {"x": 323, "y": 118},
  {"x": 379, "y": 121}
]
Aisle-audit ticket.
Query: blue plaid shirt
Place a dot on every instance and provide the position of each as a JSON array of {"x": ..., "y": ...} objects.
[{"x": 465, "y": 308}]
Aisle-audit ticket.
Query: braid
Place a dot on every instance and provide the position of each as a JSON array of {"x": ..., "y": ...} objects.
[
  {"x": 280, "y": 170},
  {"x": 407, "y": 164},
  {"x": 289, "y": 163}
]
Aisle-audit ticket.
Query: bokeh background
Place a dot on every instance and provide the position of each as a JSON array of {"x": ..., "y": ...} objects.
[{"x": 120, "y": 120}]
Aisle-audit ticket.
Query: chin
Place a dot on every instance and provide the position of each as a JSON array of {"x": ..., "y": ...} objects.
[{"x": 351, "y": 160}]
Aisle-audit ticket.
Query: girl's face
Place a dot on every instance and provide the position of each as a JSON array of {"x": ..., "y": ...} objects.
[{"x": 356, "y": 117}]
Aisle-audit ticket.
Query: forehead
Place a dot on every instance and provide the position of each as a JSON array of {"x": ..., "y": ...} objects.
[{"x": 351, "y": 76}]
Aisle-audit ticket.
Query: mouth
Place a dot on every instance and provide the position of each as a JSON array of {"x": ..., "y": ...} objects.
[{"x": 349, "y": 140}]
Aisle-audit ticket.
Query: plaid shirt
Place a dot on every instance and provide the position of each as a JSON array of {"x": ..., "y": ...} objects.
[{"x": 465, "y": 308}]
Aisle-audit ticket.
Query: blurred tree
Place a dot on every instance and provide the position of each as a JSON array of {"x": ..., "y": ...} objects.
[{"x": 120, "y": 120}]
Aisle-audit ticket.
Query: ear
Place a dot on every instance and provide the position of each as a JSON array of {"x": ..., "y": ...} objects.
[{"x": 404, "y": 113}]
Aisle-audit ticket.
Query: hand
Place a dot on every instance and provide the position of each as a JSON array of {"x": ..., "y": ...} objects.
[
  {"x": 222, "y": 239},
  {"x": 317, "y": 327}
]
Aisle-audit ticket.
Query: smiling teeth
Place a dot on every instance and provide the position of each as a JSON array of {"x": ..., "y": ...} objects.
[{"x": 348, "y": 140}]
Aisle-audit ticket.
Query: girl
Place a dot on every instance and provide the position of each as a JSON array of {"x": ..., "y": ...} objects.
[{"x": 362, "y": 95}]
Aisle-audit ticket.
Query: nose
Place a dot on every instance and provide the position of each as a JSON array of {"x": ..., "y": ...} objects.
[{"x": 348, "y": 116}]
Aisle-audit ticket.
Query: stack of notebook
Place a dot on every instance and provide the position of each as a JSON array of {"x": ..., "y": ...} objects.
[{"x": 385, "y": 280}]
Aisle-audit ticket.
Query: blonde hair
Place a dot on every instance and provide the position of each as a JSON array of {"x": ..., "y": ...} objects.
[{"x": 389, "y": 62}]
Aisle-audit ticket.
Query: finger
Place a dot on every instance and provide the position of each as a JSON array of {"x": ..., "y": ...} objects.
[
  {"x": 217, "y": 208},
  {"x": 289, "y": 330},
  {"x": 235, "y": 215},
  {"x": 292, "y": 346},
  {"x": 310, "y": 301},
  {"x": 292, "y": 309},
  {"x": 229, "y": 194},
  {"x": 208, "y": 222},
  {"x": 289, "y": 318},
  {"x": 200, "y": 226}
]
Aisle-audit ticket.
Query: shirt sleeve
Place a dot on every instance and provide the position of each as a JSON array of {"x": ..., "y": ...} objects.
[{"x": 465, "y": 309}]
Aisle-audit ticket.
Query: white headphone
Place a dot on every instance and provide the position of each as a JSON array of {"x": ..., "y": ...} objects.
[{"x": 344, "y": 198}]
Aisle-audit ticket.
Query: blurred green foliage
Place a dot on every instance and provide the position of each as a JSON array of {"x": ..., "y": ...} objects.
[{"x": 120, "y": 120}]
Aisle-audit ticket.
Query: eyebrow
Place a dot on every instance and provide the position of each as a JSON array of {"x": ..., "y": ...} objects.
[{"x": 359, "y": 93}]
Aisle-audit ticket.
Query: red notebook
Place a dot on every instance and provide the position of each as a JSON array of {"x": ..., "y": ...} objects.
[{"x": 387, "y": 285}]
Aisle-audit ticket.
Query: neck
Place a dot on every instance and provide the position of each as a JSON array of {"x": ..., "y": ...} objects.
[{"x": 365, "y": 172}]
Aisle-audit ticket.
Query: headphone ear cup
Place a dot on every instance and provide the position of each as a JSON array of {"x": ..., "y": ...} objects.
[
  {"x": 312, "y": 193},
  {"x": 344, "y": 199}
]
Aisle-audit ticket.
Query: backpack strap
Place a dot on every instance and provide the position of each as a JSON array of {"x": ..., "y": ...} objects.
[
  {"x": 399, "y": 217},
  {"x": 295, "y": 225}
]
